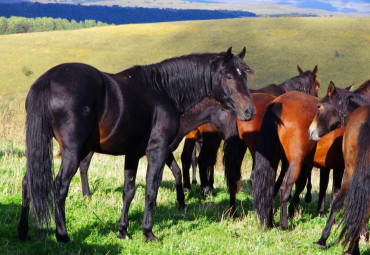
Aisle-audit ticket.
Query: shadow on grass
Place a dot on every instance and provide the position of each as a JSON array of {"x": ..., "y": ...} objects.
[{"x": 42, "y": 241}]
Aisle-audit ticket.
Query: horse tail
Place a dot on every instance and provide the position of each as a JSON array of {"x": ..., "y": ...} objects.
[
  {"x": 39, "y": 134},
  {"x": 266, "y": 163},
  {"x": 234, "y": 150},
  {"x": 357, "y": 205}
]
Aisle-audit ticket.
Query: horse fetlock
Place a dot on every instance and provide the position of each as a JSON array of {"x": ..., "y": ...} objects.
[
  {"x": 123, "y": 235},
  {"x": 149, "y": 236}
]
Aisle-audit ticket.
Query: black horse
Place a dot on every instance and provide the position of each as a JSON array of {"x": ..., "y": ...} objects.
[{"x": 133, "y": 113}]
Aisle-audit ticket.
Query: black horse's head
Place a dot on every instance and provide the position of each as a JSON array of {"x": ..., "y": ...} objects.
[
  {"x": 332, "y": 112},
  {"x": 310, "y": 80},
  {"x": 230, "y": 84}
]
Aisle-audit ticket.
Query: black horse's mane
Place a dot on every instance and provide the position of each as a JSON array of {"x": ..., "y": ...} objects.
[
  {"x": 364, "y": 90},
  {"x": 346, "y": 101},
  {"x": 298, "y": 83},
  {"x": 185, "y": 79}
]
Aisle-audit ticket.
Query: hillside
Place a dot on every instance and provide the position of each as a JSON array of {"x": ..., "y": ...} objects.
[{"x": 274, "y": 47}]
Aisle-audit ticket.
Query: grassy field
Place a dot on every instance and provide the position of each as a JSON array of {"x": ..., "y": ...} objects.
[{"x": 274, "y": 47}]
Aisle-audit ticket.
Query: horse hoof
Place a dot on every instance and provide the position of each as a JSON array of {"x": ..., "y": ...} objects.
[
  {"x": 150, "y": 237},
  {"x": 322, "y": 215},
  {"x": 62, "y": 238},
  {"x": 22, "y": 232},
  {"x": 207, "y": 191},
  {"x": 186, "y": 190},
  {"x": 194, "y": 182},
  {"x": 182, "y": 207},
  {"x": 308, "y": 198},
  {"x": 124, "y": 236},
  {"x": 321, "y": 244}
]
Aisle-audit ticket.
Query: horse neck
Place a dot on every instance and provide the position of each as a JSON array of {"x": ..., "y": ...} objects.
[
  {"x": 201, "y": 113},
  {"x": 297, "y": 83},
  {"x": 354, "y": 102}
]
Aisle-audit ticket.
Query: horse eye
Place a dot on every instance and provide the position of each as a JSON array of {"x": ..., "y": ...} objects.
[
  {"x": 318, "y": 106},
  {"x": 229, "y": 77}
]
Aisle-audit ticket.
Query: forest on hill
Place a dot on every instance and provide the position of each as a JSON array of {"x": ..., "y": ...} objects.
[
  {"x": 14, "y": 24},
  {"x": 114, "y": 14}
]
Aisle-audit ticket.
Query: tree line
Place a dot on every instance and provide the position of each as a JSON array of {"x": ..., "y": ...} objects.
[
  {"x": 16, "y": 24},
  {"x": 114, "y": 14}
]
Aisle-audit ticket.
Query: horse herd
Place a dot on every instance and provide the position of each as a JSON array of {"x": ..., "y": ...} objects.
[{"x": 148, "y": 110}]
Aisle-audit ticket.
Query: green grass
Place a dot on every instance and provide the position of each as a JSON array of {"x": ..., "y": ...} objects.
[
  {"x": 274, "y": 47},
  {"x": 204, "y": 228}
]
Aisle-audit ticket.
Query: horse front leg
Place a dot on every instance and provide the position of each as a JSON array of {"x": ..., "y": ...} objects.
[{"x": 157, "y": 156}]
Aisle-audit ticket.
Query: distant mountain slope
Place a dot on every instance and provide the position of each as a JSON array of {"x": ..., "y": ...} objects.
[{"x": 115, "y": 14}]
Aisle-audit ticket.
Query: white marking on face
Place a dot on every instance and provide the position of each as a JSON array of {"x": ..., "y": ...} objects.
[{"x": 240, "y": 73}]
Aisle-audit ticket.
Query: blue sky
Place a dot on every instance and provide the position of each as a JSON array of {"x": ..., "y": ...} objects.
[{"x": 328, "y": 5}]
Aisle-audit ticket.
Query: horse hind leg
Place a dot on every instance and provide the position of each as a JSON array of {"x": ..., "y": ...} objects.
[
  {"x": 69, "y": 166},
  {"x": 186, "y": 160},
  {"x": 194, "y": 160},
  {"x": 308, "y": 196},
  {"x": 128, "y": 194},
  {"x": 84, "y": 167},
  {"x": 324, "y": 179},
  {"x": 290, "y": 178},
  {"x": 335, "y": 207},
  {"x": 175, "y": 169},
  {"x": 300, "y": 184}
]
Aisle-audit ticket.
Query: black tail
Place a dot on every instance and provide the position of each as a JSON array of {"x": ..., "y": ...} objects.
[
  {"x": 234, "y": 150},
  {"x": 39, "y": 135},
  {"x": 357, "y": 204},
  {"x": 266, "y": 163}
]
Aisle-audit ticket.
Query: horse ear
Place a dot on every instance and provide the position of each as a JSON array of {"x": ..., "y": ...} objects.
[
  {"x": 242, "y": 53},
  {"x": 331, "y": 89},
  {"x": 314, "y": 72},
  {"x": 299, "y": 70},
  {"x": 349, "y": 88},
  {"x": 228, "y": 55}
]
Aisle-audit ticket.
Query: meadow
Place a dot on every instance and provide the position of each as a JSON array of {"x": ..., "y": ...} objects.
[{"x": 339, "y": 46}]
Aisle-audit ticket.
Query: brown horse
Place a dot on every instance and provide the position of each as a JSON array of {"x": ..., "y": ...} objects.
[
  {"x": 352, "y": 110},
  {"x": 248, "y": 131},
  {"x": 283, "y": 136}
]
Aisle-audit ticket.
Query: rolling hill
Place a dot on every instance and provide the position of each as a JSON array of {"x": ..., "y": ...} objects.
[{"x": 340, "y": 47}]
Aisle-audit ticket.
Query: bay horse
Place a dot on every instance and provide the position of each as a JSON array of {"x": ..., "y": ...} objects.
[
  {"x": 133, "y": 113},
  {"x": 248, "y": 131},
  {"x": 351, "y": 110}
]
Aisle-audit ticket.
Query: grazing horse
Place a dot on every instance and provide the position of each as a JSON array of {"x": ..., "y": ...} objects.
[
  {"x": 133, "y": 113},
  {"x": 248, "y": 131},
  {"x": 351, "y": 110}
]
